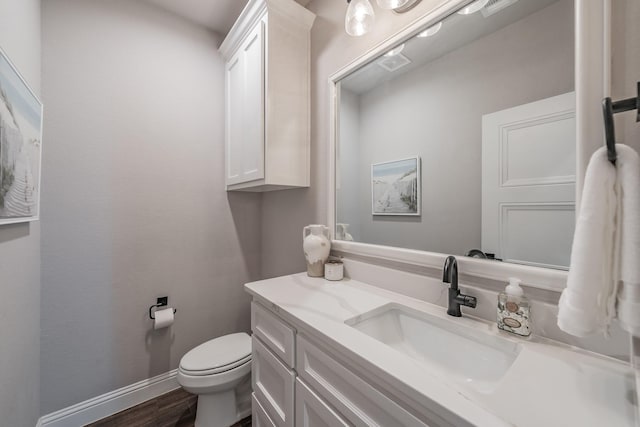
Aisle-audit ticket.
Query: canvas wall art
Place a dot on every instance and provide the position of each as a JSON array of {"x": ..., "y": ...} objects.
[
  {"x": 20, "y": 146},
  {"x": 395, "y": 187}
]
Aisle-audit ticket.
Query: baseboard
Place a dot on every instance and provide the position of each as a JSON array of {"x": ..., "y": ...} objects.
[{"x": 111, "y": 403}]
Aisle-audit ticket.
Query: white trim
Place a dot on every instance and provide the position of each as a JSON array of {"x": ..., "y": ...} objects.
[
  {"x": 253, "y": 12},
  {"x": 537, "y": 277},
  {"x": 592, "y": 65},
  {"x": 248, "y": 19},
  {"x": 592, "y": 80},
  {"x": 111, "y": 403}
]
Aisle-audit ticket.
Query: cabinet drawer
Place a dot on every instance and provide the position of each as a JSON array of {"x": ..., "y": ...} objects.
[
  {"x": 273, "y": 385},
  {"x": 274, "y": 333},
  {"x": 259, "y": 417},
  {"x": 311, "y": 411},
  {"x": 357, "y": 401}
]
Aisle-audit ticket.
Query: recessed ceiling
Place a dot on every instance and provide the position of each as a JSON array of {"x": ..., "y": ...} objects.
[{"x": 217, "y": 15}]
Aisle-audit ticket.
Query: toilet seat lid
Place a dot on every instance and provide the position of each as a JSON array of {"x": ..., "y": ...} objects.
[{"x": 218, "y": 355}]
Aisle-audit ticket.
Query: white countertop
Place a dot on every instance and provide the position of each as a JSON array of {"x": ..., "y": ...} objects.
[{"x": 549, "y": 384}]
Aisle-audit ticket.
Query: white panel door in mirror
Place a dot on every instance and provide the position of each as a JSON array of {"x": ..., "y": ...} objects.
[
  {"x": 528, "y": 182},
  {"x": 537, "y": 234}
]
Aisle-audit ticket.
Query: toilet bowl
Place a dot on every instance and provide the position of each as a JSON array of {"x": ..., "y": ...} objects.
[{"x": 219, "y": 372}]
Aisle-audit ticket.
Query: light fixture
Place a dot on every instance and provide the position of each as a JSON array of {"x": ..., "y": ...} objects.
[
  {"x": 432, "y": 30},
  {"x": 396, "y": 50},
  {"x": 406, "y": 7},
  {"x": 359, "y": 18},
  {"x": 391, "y": 4},
  {"x": 473, "y": 7}
]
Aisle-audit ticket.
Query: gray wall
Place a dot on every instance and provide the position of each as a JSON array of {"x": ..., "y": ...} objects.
[
  {"x": 134, "y": 204},
  {"x": 419, "y": 113},
  {"x": 20, "y": 247}
]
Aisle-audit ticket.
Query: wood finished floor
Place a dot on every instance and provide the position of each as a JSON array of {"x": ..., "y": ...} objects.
[{"x": 174, "y": 409}]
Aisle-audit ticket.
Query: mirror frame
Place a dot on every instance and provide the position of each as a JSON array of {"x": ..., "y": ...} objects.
[{"x": 592, "y": 84}]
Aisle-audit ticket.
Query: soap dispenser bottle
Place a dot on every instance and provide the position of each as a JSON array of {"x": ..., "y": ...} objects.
[{"x": 514, "y": 309}]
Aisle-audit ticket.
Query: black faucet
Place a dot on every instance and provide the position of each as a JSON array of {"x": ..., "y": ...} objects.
[{"x": 456, "y": 299}]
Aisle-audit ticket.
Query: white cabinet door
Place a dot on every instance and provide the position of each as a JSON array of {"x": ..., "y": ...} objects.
[
  {"x": 273, "y": 385},
  {"x": 528, "y": 182},
  {"x": 358, "y": 402},
  {"x": 274, "y": 333},
  {"x": 311, "y": 411},
  {"x": 259, "y": 417},
  {"x": 233, "y": 122},
  {"x": 245, "y": 110}
]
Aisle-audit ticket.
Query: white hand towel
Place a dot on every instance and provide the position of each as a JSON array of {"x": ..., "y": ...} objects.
[
  {"x": 583, "y": 304},
  {"x": 605, "y": 258},
  {"x": 628, "y": 165}
]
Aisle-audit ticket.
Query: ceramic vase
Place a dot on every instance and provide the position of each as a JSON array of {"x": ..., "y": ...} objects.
[{"x": 316, "y": 246}]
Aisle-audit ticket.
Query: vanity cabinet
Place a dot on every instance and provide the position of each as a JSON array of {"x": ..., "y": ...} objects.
[
  {"x": 312, "y": 411},
  {"x": 273, "y": 384},
  {"x": 259, "y": 417},
  {"x": 267, "y": 104},
  {"x": 359, "y": 402},
  {"x": 296, "y": 383},
  {"x": 272, "y": 371},
  {"x": 277, "y": 335}
]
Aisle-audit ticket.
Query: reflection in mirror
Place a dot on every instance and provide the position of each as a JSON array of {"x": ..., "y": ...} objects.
[{"x": 484, "y": 105}]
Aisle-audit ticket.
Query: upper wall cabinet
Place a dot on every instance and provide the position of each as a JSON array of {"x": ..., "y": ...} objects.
[{"x": 267, "y": 97}]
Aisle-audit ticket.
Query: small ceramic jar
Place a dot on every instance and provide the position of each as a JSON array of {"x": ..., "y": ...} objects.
[{"x": 334, "y": 270}]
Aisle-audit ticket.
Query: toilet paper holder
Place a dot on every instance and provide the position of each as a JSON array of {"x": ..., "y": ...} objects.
[{"x": 161, "y": 302}]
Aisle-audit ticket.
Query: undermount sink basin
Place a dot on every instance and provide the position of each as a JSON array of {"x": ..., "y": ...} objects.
[{"x": 467, "y": 356}]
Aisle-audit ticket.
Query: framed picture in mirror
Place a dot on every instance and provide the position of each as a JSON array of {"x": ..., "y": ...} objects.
[{"x": 395, "y": 187}]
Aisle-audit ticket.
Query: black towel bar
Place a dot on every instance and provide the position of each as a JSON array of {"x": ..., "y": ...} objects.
[{"x": 610, "y": 108}]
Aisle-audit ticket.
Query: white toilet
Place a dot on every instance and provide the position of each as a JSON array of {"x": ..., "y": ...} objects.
[{"x": 219, "y": 372}]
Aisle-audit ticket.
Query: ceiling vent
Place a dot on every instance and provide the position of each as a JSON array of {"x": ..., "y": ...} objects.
[
  {"x": 495, "y": 6},
  {"x": 393, "y": 63}
]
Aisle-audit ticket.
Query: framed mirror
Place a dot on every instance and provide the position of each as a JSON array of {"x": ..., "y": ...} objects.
[{"x": 458, "y": 136}]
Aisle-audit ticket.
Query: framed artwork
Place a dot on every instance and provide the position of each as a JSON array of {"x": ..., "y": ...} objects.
[
  {"x": 20, "y": 147},
  {"x": 395, "y": 187}
]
